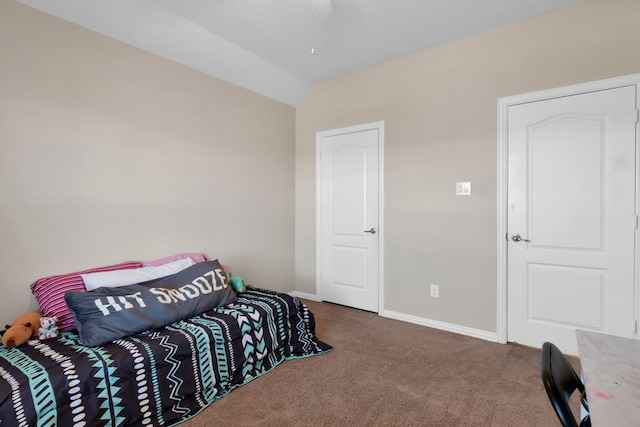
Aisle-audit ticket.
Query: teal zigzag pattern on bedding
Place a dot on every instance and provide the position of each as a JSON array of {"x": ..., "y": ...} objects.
[
  {"x": 254, "y": 347},
  {"x": 175, "y": 382},
  {"x": 207, "y": 385},
  {"x": 160, "y": 377},
  {"x": 143, "y": 384},
  {"x": 270, "y": 351},
  {"x": 141, "y": 375},
  {"x": 247, "y": 341},
  {"x": 107, "y": 390},
  {"x": 38, "y": 383}
]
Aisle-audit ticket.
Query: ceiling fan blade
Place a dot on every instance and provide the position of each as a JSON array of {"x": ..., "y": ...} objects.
[{"x": 322, "y": 8}]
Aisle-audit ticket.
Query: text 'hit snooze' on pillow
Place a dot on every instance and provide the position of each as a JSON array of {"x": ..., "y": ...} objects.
[{"x": 106, "y": 314}]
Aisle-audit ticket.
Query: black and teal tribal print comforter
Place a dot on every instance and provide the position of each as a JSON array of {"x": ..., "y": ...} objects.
[{"x": 160, "y": 377}]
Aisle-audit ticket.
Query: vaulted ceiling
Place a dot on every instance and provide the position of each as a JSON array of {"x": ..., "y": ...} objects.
[{"x": 281, "y": 48}]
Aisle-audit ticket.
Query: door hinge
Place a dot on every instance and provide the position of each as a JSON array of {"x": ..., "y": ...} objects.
[
  {"x": 635, "y": 327},
  {"x": 637, "y": 115},
  {"x": 635, "y": 222}
]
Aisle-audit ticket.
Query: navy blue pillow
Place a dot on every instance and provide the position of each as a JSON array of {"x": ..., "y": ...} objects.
[{"x": 106, "y": 314}]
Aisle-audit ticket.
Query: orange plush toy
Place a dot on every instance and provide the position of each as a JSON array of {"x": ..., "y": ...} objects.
[{"x": 22, "y": 329}]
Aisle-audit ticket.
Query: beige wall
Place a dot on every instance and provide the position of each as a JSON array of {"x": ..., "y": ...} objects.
[
  {"x": 109, "y": 154},
  {"x": 439, "y": 108}
]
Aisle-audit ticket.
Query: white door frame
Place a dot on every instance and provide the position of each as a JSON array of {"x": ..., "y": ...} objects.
[
  {"x": 503, "y": 111},
  {"x": 381, "y": 228}
]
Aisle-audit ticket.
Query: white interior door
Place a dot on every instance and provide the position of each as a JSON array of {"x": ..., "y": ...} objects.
[
  {"x": 349, "y": 223},
  {"x": 571, "y": 217}
]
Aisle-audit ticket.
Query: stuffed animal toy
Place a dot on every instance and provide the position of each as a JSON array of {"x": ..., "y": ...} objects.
[
  {"x": 48, "y": 328},
  {"x": 22, "y": 329},
  {"x": 238, "y": 284}
]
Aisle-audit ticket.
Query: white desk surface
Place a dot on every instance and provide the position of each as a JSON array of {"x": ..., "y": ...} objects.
[{"x": 611, "y": 369}]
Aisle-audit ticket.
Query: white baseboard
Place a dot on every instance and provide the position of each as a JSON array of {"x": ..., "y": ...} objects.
[
  {"x": 436, "y": 324},
  {"x": 449, "y": 327},
  {"x": 305, "y": 295}
]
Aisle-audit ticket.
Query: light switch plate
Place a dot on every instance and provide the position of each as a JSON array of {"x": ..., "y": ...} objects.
[{"x": 463, "y": 188}]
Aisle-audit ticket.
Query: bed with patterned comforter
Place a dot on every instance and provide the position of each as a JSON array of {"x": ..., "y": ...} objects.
[{"x": 162, "y": 376}]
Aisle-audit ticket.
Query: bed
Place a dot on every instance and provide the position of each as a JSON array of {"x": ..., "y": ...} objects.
[{"x": 158, "y": 376}]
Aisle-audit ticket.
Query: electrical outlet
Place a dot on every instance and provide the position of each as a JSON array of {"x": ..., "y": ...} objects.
[{"x": 434, "y": 291}]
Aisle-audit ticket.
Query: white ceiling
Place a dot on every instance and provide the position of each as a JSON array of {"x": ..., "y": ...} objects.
[{"x": 265, "y": 45}]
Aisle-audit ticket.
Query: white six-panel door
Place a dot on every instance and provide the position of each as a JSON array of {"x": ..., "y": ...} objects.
[
  {"x": 571, "y": 217},
  {"x": 349, "y": 223}
]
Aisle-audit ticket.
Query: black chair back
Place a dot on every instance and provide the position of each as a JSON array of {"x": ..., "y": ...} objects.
[{"x": 561, "y": 381}]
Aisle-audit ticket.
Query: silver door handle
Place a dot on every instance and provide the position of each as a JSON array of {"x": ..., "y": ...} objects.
[
  {"x": 517, "y": 238},
  {"x": 372, "y": 231}
]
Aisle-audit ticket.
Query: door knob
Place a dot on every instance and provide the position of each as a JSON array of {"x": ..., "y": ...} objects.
[
  {"x": 517, "y": 238},
  {"x": 372, "y": 231}
]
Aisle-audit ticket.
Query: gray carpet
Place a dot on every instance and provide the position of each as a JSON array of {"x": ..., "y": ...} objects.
[{"x": 385, "y": 372}]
